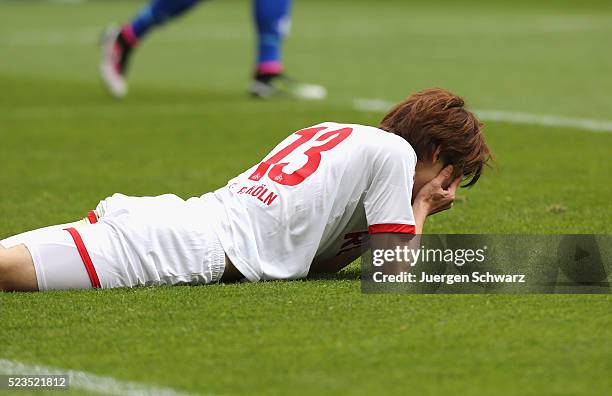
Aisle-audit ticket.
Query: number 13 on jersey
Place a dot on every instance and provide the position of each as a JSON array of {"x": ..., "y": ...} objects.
[{"x": 274, "y": 167}]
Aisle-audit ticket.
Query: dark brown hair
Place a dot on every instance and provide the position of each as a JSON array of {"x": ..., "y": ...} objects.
[{"x": 437, "y": 118}]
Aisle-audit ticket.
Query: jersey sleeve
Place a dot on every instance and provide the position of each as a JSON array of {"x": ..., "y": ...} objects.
[{"x": 387, "y": 202}]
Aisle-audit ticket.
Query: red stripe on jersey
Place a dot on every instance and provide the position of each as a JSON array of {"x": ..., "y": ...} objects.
[
  {"x": 91, "y": 270},
  {"x": 92, "y": 217},
  {"x": 396, "y": 228}
]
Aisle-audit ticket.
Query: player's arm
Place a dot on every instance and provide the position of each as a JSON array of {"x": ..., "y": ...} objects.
[
  {"x": 432, "y": 198},
  {"x": 337, "y": 263}
]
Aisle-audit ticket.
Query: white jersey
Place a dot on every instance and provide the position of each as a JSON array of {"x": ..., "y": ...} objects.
[{"x": 312, "y": 197}]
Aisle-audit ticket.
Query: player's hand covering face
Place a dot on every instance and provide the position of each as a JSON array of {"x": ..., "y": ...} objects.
[{"x": 433, "y": 197}]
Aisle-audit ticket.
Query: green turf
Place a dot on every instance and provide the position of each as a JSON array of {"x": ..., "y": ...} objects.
[{"x": 187, "y": 127}]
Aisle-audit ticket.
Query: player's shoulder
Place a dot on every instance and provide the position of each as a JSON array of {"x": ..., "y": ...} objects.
[{"x": 375, "y": 140}]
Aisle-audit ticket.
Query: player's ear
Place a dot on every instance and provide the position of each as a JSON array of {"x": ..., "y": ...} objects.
[{"x": 436, "y": 155}]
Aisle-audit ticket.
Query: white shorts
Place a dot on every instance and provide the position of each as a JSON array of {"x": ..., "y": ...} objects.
[{"x": 133, "y": 241}]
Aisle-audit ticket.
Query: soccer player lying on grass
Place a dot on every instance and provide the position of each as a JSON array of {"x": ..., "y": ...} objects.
[{"x": 305, "y": 209}]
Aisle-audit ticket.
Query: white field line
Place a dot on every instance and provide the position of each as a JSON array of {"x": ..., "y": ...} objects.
[
  {"x": 379, "y": 105},
  {"x": 90, "y": 382},
  {"x": 366, "y": 105},
  {"x": 545, "y": 120}
]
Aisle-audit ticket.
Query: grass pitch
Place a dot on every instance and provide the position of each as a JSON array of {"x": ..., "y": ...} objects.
[{"x": 187, "y": 127}]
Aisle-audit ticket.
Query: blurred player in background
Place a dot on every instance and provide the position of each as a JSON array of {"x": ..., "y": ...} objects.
[{"x": 272, "y": 20}]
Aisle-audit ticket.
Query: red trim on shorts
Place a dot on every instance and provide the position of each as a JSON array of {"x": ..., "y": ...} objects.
[
  {"x": 89, "y": 267},
  {"x": 395, "y": 228},
  {"x": 92, "y": 217}
]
